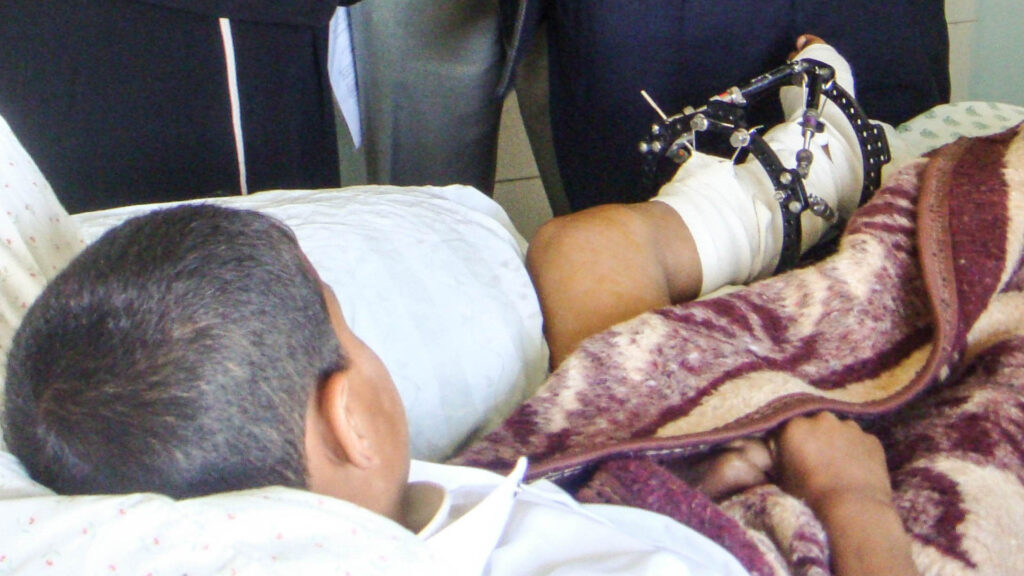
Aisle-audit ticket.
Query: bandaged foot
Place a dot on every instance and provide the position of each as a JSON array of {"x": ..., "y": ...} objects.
[{"x": 731, "y": 210}]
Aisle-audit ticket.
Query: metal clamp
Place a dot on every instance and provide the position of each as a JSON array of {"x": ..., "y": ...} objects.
[{"x": 725, "y": 115}]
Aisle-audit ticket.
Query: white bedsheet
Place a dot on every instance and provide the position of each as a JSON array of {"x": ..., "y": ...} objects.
[{"x": 267, "y": 531}]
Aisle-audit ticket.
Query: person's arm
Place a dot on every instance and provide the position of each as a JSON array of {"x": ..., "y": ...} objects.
[
  {"x": 840, "y": 472},
  {"x": 607, "y": 264}
]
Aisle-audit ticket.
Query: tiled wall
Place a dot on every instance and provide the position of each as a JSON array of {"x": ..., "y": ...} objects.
[
  {"x": 519, "y": 189},
  {"x": 962, "y": 18}
]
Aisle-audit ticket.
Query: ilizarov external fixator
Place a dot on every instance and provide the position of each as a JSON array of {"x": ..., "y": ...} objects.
[{"x": 725, "y": 115}]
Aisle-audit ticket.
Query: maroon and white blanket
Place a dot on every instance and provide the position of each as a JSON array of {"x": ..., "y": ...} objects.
[{"x": 915, "y": 326}]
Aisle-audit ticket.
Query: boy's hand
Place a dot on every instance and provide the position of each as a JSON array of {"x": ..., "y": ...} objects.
[
  {"x": 804, "y": 41},
  {"x": 820, "y": 458},
  {"x": 840, "y": 471}
]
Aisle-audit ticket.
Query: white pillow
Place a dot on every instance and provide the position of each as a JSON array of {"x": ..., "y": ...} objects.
[{"x": 433, "y": 280}]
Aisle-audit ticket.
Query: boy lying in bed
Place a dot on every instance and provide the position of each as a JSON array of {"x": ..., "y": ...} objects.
[{"x": 195, "y": 350}]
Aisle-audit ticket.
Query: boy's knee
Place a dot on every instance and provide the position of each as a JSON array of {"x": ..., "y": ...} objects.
[{"x": 582, "y": 235}]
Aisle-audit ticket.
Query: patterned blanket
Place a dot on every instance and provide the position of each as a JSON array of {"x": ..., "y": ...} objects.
[{"x": 915, "y": 327}]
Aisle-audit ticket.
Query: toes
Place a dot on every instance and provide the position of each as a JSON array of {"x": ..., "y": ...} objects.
[{"x": 740, "y": 465}]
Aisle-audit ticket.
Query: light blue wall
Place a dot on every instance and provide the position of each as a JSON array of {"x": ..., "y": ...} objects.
[{"x": 997, "y": 52}]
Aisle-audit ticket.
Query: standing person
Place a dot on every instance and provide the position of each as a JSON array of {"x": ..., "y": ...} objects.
[
  {"x": 602, "y": 53},
  {"x": 130, "y": 101},
  {"x": 428, "y": 76}
]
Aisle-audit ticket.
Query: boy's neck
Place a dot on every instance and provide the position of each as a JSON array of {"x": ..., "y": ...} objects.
[{"x": 424, "y": 507}]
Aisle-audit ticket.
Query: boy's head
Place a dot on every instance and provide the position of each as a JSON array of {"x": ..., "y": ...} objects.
[{"x": 195, "y": 350}]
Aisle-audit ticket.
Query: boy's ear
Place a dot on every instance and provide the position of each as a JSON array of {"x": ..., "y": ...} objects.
[{"x": 346, "y": 421}]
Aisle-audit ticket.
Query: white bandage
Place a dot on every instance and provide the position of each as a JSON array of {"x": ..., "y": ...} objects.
[
  {"x": 731, "y": 211},
  {"x": 731, "y": 214}
]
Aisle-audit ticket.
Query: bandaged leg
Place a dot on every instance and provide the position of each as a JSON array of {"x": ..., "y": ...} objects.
[{"x": 731, "y": 210}]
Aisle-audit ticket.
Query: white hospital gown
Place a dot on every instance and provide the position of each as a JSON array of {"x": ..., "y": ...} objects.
[{"x": 538, "y": 529}]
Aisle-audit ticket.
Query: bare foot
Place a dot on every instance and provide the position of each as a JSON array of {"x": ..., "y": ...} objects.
[
  {"x": 739, "y": 465},
  {"x": 804, "y": 41}
]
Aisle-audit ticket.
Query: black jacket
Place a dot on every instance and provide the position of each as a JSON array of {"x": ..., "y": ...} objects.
[{"x": 126, "y": 101}]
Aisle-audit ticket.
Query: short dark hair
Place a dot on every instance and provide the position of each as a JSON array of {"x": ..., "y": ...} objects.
[{"x": 176, "y": 354}]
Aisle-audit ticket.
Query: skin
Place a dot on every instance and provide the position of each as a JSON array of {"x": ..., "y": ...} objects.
[
  {"x": 607, "y": 264},
  {"x": 357, "y": 436},
  {"x": 358, "y": 450},
  {"x": 840, "y": 472}
]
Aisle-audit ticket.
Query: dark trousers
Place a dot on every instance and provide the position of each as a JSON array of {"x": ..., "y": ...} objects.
[{"x": 604, "y": 52}]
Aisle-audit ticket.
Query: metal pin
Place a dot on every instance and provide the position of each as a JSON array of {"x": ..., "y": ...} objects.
[{"x": 653, "y": 104}]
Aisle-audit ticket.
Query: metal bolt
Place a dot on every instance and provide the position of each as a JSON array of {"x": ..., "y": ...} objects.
[{"x": 739, "y": 138}]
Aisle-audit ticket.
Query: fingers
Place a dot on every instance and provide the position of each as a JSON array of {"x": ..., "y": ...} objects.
[
  {"x": 755, "y": 451},
  {"x": 825, "y": 428}
]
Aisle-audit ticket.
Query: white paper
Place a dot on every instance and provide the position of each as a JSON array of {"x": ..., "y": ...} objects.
[{"x": 341, "y": 67}]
